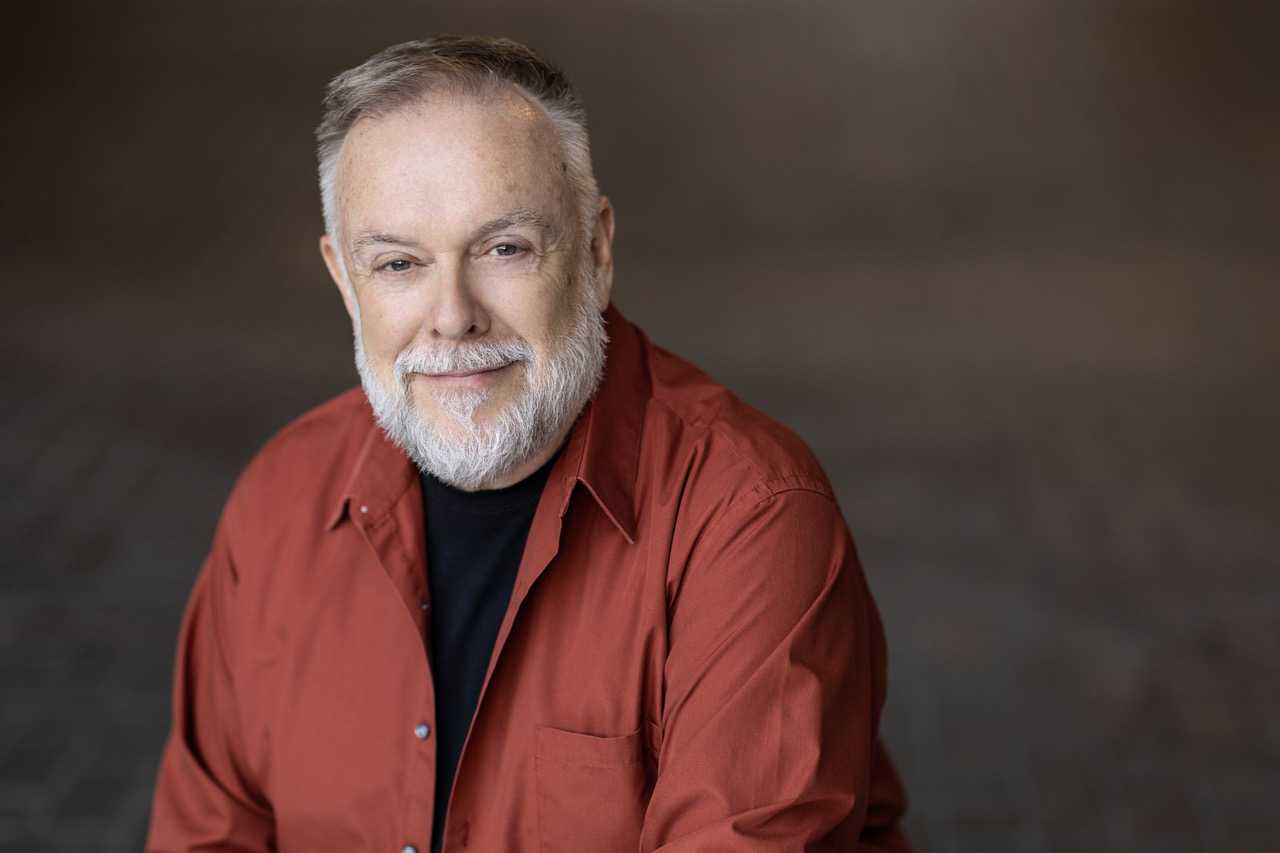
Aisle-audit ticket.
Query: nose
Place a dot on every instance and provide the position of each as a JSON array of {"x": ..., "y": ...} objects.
[{"x": 455, "y": 313}]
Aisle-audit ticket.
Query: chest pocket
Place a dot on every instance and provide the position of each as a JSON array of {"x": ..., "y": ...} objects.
[{"x": 591, "y": 790}]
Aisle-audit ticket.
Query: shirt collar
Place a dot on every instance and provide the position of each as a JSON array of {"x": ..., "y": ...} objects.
[{"x": 602, "y": 450}]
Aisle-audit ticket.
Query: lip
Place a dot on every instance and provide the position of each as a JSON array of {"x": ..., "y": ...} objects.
[
  {"x": 474, "y": 377},
  {"x": 470, "y": 373}
]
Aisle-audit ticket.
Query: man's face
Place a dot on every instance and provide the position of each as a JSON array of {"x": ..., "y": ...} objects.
[{"x": 465, "y": 254}]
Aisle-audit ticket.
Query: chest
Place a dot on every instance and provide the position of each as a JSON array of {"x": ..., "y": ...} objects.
[{"x": 569, "y": 711}]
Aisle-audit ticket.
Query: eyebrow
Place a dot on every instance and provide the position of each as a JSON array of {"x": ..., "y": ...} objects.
[
  {"x": 374, "y": 238},
  {"x": 521, "y": 217}
]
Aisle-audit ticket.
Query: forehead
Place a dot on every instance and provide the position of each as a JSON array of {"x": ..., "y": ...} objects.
[{"x": 451, "y": 157}]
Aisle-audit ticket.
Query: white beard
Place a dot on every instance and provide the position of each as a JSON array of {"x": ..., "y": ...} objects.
[{"x": 470, "y": 454}]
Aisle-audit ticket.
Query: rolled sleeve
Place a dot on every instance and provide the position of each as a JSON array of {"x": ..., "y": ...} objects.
[
  {"x": 775, "y": 678},
  {"x": 204, "y": 798}
]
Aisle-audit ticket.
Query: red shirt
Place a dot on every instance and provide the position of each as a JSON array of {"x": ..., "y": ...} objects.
[{"x": 691, "y": 659}]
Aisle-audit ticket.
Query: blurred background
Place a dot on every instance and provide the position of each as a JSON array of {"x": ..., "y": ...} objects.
[{"x": 1009, "y": 267}]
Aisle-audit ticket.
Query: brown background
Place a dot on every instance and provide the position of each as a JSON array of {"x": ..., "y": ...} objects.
[{"x": 1009, "y": 267}]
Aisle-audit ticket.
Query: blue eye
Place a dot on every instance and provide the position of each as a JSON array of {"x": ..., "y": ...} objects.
[
  {"x": 397, "y": 265},
  {"x": 506, "y": 250}
]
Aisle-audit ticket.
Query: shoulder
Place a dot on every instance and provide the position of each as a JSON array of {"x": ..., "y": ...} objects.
[
  {"x": 736, "y": 499},
  {"x": 300, "y": 471},
  {"x": 724, "y": 456},
  {"x": 756, "y": 452}
]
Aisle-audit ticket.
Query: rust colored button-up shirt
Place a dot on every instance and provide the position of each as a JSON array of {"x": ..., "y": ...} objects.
[{"x": 690, "y": 660}]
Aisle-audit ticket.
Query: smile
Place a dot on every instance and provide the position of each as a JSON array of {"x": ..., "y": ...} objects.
[{"x": 466, "y": 378}]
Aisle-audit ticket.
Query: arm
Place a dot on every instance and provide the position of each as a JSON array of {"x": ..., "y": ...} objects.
[
  {"x": 775, "y": 678},
  {"x": 204, "y": 797}
]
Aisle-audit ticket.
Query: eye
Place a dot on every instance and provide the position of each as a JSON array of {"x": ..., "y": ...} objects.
[
  {"x": 506, "y": 250},
  {"x": 397, "y": 265}
]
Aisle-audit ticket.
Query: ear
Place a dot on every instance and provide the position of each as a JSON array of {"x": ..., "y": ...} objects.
[
  {"x": 602, "y": 251},
  {"x": 333, "y": 262}
]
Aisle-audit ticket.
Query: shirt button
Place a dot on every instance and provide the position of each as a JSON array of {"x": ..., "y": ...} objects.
[
  {"x": 421, "y": 730},
  {"x": 408, "y": 848},
  {"x": 426, "y": 605},
  {"x": 366, "y": 509}
]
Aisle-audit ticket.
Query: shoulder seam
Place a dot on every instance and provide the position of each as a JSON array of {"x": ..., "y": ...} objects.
[
  {"x": 762, "y": 493},
  {"x": 766, "y": 489},
  {"x": 764, "y": 485}
]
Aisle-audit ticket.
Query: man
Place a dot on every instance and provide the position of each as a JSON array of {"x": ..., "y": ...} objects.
[{"x": 539, "y": 584}]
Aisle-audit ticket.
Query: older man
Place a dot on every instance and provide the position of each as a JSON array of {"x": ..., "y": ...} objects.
[{"x": 539, "y": 584}]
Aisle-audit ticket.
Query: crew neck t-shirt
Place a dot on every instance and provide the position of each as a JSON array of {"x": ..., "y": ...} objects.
[{"x": 475, "y": 541}]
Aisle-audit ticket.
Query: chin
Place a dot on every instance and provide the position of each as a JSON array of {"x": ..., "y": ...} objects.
[{"x": 460, "y": 423}]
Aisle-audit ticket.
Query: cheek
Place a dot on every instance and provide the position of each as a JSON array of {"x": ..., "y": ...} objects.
[
  {"x": 387, "y": 328},
  {"x": 543, "y": 316}
]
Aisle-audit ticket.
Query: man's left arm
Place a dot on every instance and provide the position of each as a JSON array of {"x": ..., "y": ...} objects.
[{"x": 775, "y": 677}]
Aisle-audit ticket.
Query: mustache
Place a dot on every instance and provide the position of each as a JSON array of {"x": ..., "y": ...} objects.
[{"x": 488, "y": 355}]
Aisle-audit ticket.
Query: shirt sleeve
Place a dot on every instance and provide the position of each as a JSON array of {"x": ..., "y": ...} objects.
[
  {"x": 775, "y": 677},
  {"x": 204, "y": 798}
]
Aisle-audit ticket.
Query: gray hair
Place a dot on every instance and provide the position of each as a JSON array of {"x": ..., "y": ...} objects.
[{"x": 405, "y": 73}]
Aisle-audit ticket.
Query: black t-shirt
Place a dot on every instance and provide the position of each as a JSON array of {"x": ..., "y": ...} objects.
[{"x": 474, "y": 544}]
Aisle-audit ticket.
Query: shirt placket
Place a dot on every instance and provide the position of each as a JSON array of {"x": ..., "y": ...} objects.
[
  {"x": 408, "y": 576},
  {"x": 542, "y": 545}
]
